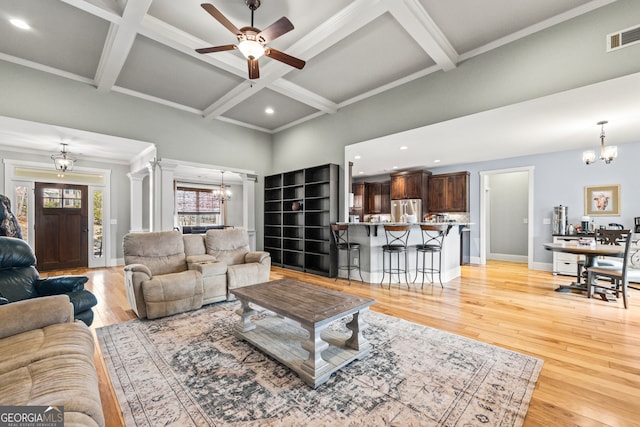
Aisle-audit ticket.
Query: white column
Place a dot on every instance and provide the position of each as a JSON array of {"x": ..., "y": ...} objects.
[
  {"x": 249, "y": 207},
  {"x": 135, "y": 205},
  {"x": 167, "y": 194},
  {"x": 154, "y": 195}
]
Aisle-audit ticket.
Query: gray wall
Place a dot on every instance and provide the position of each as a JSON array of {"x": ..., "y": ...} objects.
[
  {"x": 508, "y": 202},
  {"x": 559, "y": 179},
  {"x": 33, "y": 95},
  {"x": 563, "y": 57}
]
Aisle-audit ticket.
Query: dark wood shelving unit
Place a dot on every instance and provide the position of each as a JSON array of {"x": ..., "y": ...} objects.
[{"x": 299, "y": 206}]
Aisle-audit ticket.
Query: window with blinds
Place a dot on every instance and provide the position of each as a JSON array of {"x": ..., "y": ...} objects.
[{"x": 197, "y": 206}]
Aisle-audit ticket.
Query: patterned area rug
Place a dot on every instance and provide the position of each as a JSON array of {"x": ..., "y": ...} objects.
[{"x": 190, "y": 370}]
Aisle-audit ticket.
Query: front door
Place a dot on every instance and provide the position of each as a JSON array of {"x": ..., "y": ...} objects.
[{"x": 61, "y": 226}]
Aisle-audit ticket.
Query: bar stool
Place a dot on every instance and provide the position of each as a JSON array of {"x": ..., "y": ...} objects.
[
  {"x": 340, "y": 234},
  {"x": 397, "y": 237},
  {"x": 432, "y": 243}
]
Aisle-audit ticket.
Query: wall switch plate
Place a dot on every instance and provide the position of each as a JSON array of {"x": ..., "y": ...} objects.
[
  {"x": 355, "y": 261},
  {"x": 546, "y": 221}
]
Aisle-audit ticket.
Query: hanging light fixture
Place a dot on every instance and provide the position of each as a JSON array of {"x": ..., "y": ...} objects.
[
  {"x": 223, "y": 193},
  {"x": 607, "y": 154},
  {"x": 62, "y": 161}
]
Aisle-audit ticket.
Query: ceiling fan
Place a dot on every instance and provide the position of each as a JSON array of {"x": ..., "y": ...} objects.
[{"x": 252, "y": 41}]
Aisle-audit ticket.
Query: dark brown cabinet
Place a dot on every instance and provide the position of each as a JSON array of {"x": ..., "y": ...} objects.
[
  {"x": 408, "y": 185},
  {"x": 449, "y": 192},
  {"x": 379, "y": 200},
  {"x": 359, "y": 199}
]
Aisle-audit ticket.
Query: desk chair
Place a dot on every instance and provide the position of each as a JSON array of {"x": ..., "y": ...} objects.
[
  {"x": 432, "y": 243},
  {"x": 397, "y": 237},
  {"x": 618, "y": 276},
  {"x": 340, "y": 234}
]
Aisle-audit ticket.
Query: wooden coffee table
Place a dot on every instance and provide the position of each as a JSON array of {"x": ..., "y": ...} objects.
[{"x": 299, "y": 338}]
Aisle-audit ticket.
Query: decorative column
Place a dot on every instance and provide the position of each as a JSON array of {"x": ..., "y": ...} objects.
[
  {"x": 249, "y": 207},
  {"x": 167, "y": 202},
  {"x": 135, "y": 204}
]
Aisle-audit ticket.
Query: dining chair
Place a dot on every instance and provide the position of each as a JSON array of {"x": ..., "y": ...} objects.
[
  {"x": 618, "y": 276},
  {"x": 604, "y": 237}
]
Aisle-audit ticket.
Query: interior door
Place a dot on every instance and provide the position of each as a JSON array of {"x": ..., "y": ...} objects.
[{"x": 61, "y": 226}]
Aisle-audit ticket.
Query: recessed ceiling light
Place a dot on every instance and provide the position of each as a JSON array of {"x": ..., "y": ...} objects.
[
  {"x": 404, "y": 147},
  {"x": 20, "y": 24},
  {"x": 436, "y": 161},
  {"x": 269, "y": 110},
  {"x": 360, "y": 172},
  {"x": 356, "y": 157},
  {"x": 395, "y": 167}
]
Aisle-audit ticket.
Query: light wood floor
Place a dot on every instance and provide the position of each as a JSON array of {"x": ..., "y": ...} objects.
[{"x": 590, "y": 348}]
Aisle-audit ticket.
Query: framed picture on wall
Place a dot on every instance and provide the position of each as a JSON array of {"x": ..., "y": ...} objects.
[{"x": 602, "y": 200}]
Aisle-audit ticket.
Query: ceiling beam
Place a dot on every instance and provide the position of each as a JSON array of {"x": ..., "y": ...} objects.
[
  {"x": 118, "y": 44},
  {"x": 419, "y": 24},
  {"x": 104, "y": 10},
  {"x": 353, "y": 17}
]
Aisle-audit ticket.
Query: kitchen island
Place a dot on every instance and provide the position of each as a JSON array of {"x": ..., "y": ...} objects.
[{"x": 371, "y": 237}]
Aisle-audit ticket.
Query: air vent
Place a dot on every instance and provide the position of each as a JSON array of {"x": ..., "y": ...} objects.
[{"x": 623, "y": 38}]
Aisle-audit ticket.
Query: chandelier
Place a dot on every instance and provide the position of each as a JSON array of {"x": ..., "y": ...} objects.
[
  {"x": 223, "y": 193},
  {"x": 63, "y": 162},
  {"x": 607, "y": 154}
]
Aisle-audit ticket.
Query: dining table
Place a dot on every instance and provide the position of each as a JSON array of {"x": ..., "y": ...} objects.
[{"x": 591, "y": 253}]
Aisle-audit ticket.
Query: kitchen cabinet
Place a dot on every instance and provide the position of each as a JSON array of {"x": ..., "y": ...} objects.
[
  {"x": 379, "y": 201},
  {"x": 299, "y": 206},
  {"x": 564, "y": 263},
  {"x": 409, "y": 185},
  {"x": 360, "y": 198},
  {"x": 449, "y": 192}
]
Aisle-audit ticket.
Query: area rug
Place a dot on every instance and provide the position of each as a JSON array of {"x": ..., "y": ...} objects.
[{"x": 190, "y": 370}]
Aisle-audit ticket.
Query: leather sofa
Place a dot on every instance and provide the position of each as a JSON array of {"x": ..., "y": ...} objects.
[
  {"x": 167, "y": 272},
  {"x": 19, "y": 280},
  {"x": 46, "y": 359}
]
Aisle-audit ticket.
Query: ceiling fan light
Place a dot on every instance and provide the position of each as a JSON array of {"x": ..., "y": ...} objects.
[
  {"x": 251, "y": 49},
  {"x": 589, "y": 156}
]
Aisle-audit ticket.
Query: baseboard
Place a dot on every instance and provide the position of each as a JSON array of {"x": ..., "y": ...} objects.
[{"x": 508, "y": 257}]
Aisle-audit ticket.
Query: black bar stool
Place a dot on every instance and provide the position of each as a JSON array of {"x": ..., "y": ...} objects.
[
  {"x": 340, "y": 234},
  {"x": 397, "y": 237},
  {"x": 432, "y": 243}
]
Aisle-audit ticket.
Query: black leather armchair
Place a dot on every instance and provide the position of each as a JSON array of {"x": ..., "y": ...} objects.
[{"x": 19, "y": 280}]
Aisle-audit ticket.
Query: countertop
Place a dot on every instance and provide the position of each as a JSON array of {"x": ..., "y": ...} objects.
[{"x": 408, "y": 223}]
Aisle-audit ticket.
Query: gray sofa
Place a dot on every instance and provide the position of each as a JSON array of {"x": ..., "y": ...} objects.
[
  {"x": 167, "y": 272},
  {"x": 46, "y": 359}
]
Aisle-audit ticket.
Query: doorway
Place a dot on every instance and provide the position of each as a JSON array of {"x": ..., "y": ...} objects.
[
  {"x": 61, "y": 226},
  {"x": 525, "y": 190}
]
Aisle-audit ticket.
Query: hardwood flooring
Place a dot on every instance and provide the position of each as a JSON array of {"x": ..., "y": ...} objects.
[{"x": 590, "y": 348}]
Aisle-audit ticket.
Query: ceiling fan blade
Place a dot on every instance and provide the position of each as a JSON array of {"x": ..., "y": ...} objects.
[
  {"x": 217, "y": 48},
  {"x": 275, "y": 30},
  {"x": 283, "y": 57},
  {"x": 254, "y": 71},
  {"x": 220, "y": 17}
]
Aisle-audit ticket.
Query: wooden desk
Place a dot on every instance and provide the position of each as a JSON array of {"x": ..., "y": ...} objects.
[
  {"x": 312, "y": 309},
  {"x": 590, "y": 253}
]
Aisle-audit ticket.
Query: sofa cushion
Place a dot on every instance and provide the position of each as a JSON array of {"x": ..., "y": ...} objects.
[
  {"x": 23, "y": 349},
  {"x": 59, "y": 285},
  {"x": 16, "y": 284},
  {"x": 229, "y": 245},
  {"x": 172, "y": 293},
  {"x": 68, "y": 380},
  {"x": 194, "y": 244},
  {"x": 161, "y": 251},
  {"x": 15, "y": 253}
]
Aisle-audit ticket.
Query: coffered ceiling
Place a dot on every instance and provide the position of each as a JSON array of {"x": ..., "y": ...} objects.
[{"x": 353, "y": 48}]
